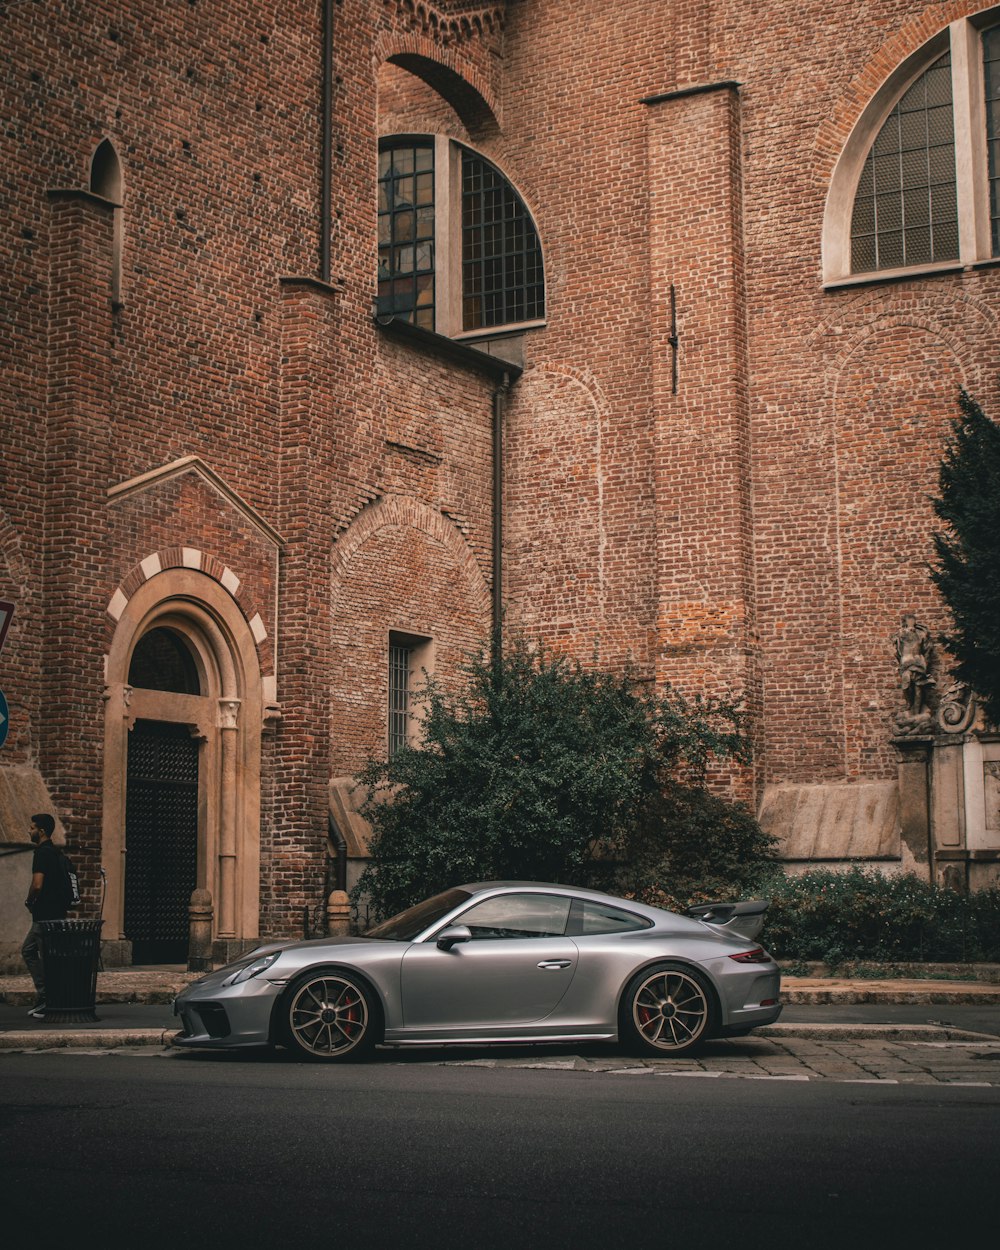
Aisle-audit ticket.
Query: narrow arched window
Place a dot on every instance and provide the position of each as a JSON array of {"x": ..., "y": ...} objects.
[{"x": 106, "y": 181}]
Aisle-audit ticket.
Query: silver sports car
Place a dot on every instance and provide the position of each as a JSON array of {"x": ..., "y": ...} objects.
[{"x": 501, "y": 961}]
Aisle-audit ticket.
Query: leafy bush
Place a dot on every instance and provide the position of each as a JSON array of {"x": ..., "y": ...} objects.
[
  {"x": 535, "y": 770},
  {"x": 690, "y": 846},
  {"x": 863, "y": 914}
]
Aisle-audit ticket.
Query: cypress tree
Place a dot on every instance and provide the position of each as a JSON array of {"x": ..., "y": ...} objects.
[{"x": 968, "y": 569}]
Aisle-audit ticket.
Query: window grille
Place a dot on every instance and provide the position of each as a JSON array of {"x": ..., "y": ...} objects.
[
  {"x": 905, "y": 210},
  {"x": 502, "y": 280},
  {"x": 399, "y": 697},
  {"x": 406, "y": 233}
]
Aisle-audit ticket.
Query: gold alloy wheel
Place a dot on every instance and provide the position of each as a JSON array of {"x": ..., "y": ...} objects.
[
  {"x": 670, "y": 1010},
  {"x": 328, "y": 1016}
]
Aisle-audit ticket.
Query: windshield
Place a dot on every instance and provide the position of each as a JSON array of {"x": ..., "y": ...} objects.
[{"x": 406, "y": 926}]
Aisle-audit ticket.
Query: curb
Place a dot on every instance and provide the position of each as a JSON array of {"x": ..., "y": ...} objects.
[
  {"x": 116, "y": 1039},
  {"x": 84, "y": 1039}
]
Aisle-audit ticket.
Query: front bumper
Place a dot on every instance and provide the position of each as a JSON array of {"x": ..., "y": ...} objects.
[{"x": 223, "y": 1016}]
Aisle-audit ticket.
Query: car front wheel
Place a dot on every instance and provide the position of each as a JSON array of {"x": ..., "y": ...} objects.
[
  {"x": 328, "y": 1015},
  {"x": 667, "y": 1010}
]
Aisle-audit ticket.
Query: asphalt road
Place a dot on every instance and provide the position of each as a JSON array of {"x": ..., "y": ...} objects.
[{"x": 245, "y": 1151}]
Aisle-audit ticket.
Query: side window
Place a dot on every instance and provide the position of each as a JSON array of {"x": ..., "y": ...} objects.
[
  {"x": 409, "y": 654},
  {"x": 590, "y": 917},
  {"x": 518, "y": 916}
]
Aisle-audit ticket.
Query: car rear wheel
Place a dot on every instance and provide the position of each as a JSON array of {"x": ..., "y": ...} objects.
[
  {"x": 667, "y": 1010},
  {"x": 328, "y": 1015}
]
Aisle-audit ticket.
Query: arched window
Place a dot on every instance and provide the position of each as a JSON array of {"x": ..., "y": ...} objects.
[
  {"x": 458, "y": 249},
  {"x": 917, "y": 187},
  {"x": 106, "y": 181},
  {"x": 161, "y": 661},
  {"x": 905, "y": 209}
]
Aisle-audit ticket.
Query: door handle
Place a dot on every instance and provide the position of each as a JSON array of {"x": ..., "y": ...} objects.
[{"x": 555, "y": 963}]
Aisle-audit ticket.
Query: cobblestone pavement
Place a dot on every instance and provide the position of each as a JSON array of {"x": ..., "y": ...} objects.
[{"x": 975, "y": 1064}]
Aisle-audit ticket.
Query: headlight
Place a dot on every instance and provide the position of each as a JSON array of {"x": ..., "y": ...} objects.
[{"x": 256, "y": 968}]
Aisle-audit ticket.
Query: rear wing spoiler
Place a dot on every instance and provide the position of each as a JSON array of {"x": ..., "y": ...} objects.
[{"x": 739, "y": 919}]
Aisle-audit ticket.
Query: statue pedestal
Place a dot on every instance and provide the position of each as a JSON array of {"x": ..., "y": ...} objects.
[{"x": 949, "y": 802}]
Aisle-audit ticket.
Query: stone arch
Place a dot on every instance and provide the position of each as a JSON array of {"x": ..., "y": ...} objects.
[
  {"x": 843, "y": 139},
  {"x": 225, "y": 719}
]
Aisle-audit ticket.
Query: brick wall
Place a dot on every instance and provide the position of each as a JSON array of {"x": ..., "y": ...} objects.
[{"x": 762, "y": 527}]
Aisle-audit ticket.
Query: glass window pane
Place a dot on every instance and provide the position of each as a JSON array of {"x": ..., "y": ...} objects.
[
  {"x": 918, "y": 246},
  {"x": 991, "y": 67},
  {"x": 499, "y": 248},
  {"x": 890, "y": 212},
  {"x": 909, "y": 181},
  {"x": 518, "y": 916},
  {"x": 598, "y": 918},
  {"x": 946, "y": 241},
  {"x": 916, "y": 207},
  {"x": 864, "y": 258},
  {"x": 399, "y": 226},
  {"x": 890, "y": 250}
]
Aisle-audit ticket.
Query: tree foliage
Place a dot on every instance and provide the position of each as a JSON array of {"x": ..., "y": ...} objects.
[
  {"x": 536, "y": 769},
  {"x": 968, "y": 568}
]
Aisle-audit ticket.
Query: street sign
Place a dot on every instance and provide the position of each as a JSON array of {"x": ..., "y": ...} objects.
[
  {"x": 6, "y": 612},
  {"x": 4, "y": 719}
]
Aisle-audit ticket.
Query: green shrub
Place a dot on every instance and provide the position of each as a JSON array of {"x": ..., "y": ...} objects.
[
  {"x": 691, "y": 846},
  {"x": 534, "y": 768},
  {"x": 863, "y": 914}
]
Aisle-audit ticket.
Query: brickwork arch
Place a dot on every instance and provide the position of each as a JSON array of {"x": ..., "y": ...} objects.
[
  {"x": 403, "y": 511},
  {"x": 951, "y": 315},
  {"x": 448, "y": 70},
  {"x": 898, "y": 49}
]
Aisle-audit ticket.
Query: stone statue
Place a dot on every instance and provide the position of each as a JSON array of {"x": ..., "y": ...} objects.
[{"x": 914, "y": 655}]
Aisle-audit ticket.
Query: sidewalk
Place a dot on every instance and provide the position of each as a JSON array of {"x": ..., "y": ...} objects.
[{"x": 134, "y": 1009}]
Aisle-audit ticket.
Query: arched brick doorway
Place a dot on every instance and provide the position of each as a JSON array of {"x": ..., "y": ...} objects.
[{"x": 182, "y": 769}]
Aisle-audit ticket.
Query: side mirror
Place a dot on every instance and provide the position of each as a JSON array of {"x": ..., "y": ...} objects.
[{"x": 454, "y": 933}]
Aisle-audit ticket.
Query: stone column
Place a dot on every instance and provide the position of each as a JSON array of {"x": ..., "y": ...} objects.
[
  {"x": 228, "y": 715},
  {"x": 200, "y": 931},
  {"x": 913, "y": 772}
]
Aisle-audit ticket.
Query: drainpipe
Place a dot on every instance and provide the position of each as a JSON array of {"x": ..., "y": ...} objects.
[
  {"x": 326, "y": 174},
  {"x": 499, "y": 406}
]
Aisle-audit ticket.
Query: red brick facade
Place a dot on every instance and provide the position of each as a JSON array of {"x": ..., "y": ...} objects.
[{"x": 716, "y": 468}]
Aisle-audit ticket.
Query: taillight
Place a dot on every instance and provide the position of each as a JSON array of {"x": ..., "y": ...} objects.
[{"x": 757, "y": 956}]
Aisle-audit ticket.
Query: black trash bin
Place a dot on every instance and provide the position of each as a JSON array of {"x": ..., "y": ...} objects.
[{"x": 71, "y": 951}]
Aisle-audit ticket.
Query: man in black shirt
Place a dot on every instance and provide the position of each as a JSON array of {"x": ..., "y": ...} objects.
[{"x": 46, "y": 901}]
